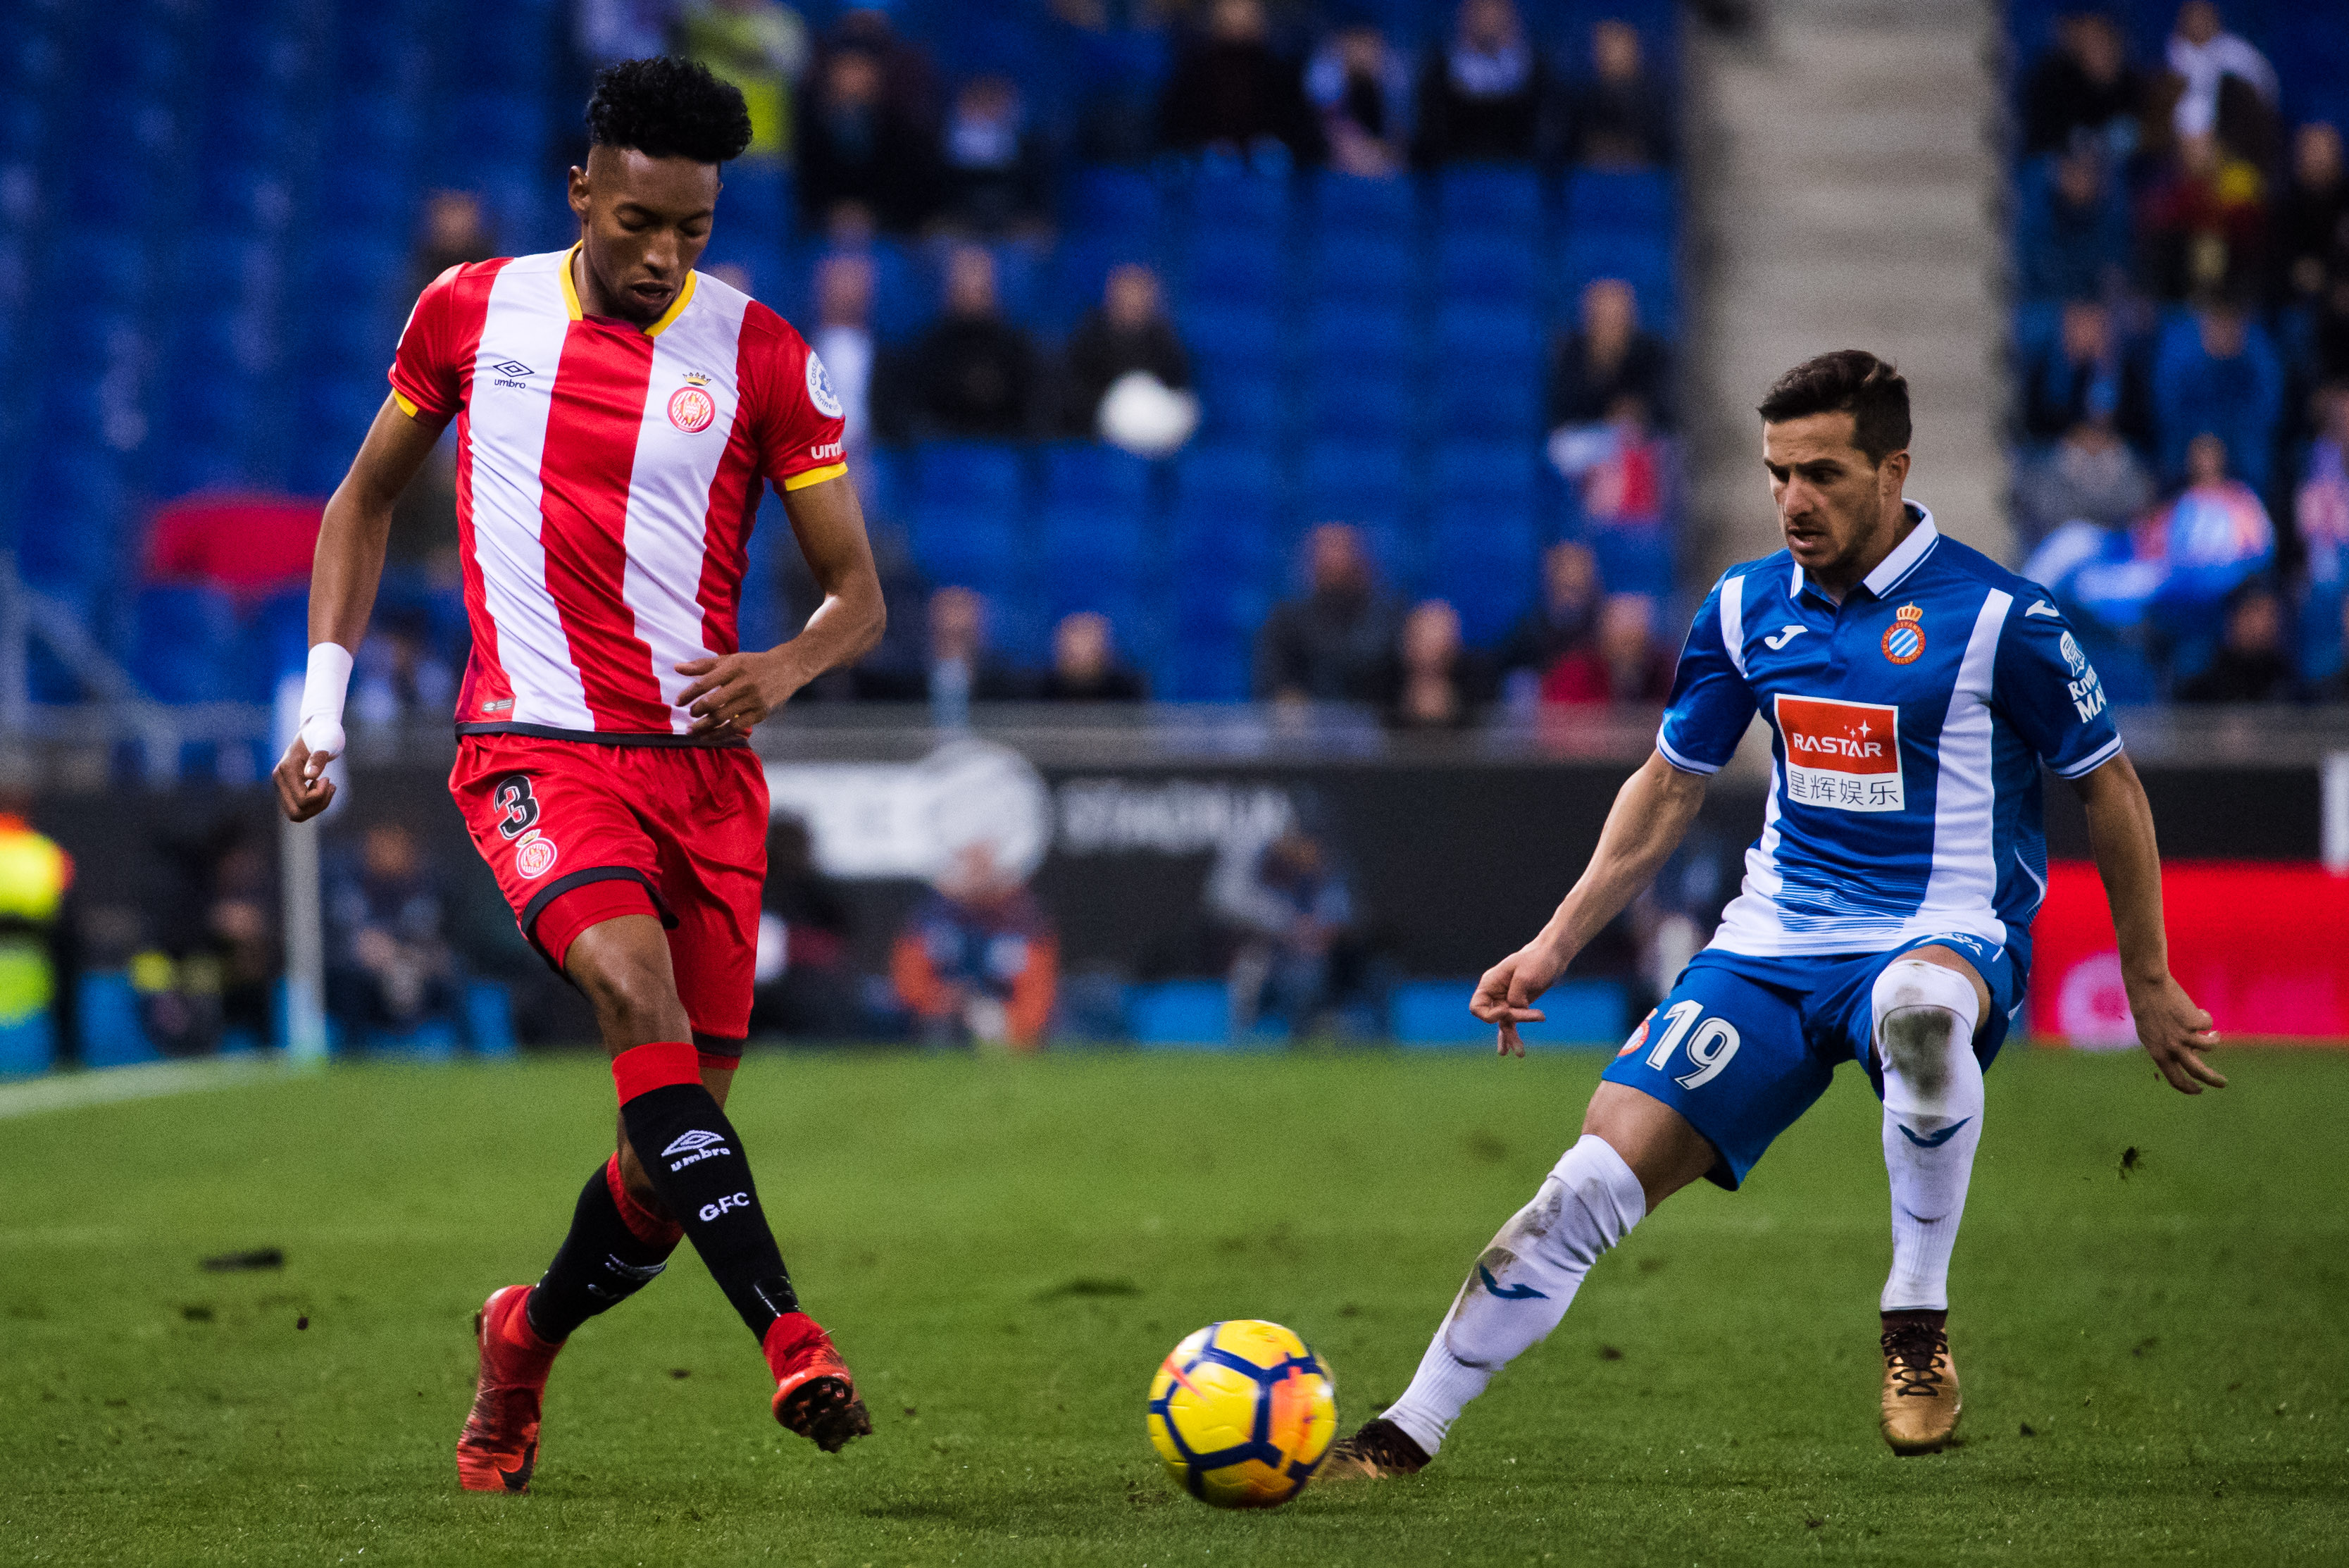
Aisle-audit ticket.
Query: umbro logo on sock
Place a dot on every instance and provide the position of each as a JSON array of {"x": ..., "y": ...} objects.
[
  {"x": 695, "y": 1146},
  {"x": 1509, "y": 1293},
  {"x": 1930, "y": 1141}
]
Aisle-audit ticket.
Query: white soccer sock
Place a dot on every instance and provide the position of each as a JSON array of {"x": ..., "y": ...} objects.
[
  {"x": 1522, "y": 1284},
  {"x": 1925, "y": 1018}
]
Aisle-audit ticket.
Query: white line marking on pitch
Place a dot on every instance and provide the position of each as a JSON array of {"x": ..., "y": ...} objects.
[{"x": 110, "y": 1086}]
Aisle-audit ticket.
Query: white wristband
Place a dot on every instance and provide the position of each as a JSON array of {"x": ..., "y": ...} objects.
[{"x": 323, "y": 688}]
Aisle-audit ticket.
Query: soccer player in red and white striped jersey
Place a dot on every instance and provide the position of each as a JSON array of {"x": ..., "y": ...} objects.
[{"x": 617, "y": 418}]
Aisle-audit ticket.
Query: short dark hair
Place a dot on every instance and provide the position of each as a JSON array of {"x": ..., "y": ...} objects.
[
  {"x": 1848, "y": 381},
  {"x": 666, "y": 107}
]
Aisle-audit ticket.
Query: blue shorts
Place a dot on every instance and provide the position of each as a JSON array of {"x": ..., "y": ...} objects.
[{"x": 1744, "y": 1044}]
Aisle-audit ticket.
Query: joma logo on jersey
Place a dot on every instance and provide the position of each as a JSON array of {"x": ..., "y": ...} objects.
[{"x": 1844, "y": 756}]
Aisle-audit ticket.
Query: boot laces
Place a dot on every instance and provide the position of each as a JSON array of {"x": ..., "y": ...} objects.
[{"x": 1912, "y": 1351}]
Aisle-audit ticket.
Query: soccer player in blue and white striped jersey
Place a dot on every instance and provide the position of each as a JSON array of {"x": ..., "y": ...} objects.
[{"x": 1914, "y": 689}]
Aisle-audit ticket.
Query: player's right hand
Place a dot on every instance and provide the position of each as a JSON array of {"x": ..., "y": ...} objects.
[
  {"x": 1506, "y": 994},
  {"x": 2175, "y": 1032},
  {"x": 304, "y": 790}
]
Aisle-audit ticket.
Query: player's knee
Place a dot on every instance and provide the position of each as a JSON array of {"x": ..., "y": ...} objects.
[
  {"x": 634, "y": 997},
  {"x": 1925, "y": 1015}
]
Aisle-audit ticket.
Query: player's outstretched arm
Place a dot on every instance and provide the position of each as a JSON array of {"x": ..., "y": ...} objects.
[
  {"x": 1650, "y": 816},
  {"x": 342, "y": 577},
  {"x": 737, "y": 692},
  {"x": 2174, "y": 1032}
]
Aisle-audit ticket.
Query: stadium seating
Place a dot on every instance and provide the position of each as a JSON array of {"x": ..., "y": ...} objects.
[{"x": 1365, "y": 349}]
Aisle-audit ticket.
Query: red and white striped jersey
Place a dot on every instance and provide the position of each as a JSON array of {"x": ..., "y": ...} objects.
[{"x": 607, "y": 477}]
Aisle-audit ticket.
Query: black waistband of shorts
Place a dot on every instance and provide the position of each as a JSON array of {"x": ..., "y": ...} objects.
[{"x": 605, "y": 737}]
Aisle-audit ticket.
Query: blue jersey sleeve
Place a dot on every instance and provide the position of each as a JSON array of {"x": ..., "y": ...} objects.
[
  {"x": 1711, "y": 703},
  {"x": 2045, "y": 686}
]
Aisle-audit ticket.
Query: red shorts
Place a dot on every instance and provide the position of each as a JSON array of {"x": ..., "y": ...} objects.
[{"x": 580, "y": 832}]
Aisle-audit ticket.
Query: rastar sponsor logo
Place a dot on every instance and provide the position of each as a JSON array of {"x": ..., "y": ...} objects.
[
  {"x": 694, "y": 1147},
  {"x": 1843, "y": 755}
]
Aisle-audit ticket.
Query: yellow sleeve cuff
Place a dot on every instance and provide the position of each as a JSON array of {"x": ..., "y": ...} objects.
[
  {"x": 405, "y": 406},
  {"x": 815, "y": 476}
]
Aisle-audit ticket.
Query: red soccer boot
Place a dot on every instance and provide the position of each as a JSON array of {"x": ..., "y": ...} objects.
[
  {"x": 814, "y": 1395},
  {"x": 499, "y": 1446}
]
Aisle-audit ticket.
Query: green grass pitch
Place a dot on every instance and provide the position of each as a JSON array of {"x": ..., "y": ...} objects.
[{"x": 2155, "y": 1362}]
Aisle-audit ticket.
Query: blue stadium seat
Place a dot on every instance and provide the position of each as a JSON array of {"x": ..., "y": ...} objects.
[
  {"x": 977, "y": 474},
  {"x": 1380, "y": 268},
  {"x": 1094, "y": 536},
  {"x": 1242, "y": 267},
  {"x": 1349, "y": 204},
  {"x": 184, "y": 643},
  {"x": 73, "y": 509},
  {"x": 1124, "y": 205},
  {"x": 1240, "y": 402},
  {"x": 1480, "y": 199},
  {"x": 1217, "y": 332},
  {"x": 1471, "y": 401},
  {"x": 1498, "y": 270},
  {"x": 1224, "y": 202},
  {"x": 1351, "y": 480},
  {"x": 1645, "y": 263},
  {"x": 1487, "y": 472},
  {"x": 1638, "y": 201},
  {"x": 969, "y": 545},
  {"x": 1633, "y": 560},
  {"x": 1351, "y": 403},
  {"x": 1505, "y": 339},
  {"x": 1096, "y": 474},
  {"x": 1377, "y": 339}
]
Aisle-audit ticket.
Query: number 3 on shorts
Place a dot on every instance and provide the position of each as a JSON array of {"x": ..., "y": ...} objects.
[{"x": 1710, "y": 1048}]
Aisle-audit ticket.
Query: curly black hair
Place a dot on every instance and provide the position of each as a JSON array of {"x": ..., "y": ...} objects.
[{"x": 667, "y": 109}]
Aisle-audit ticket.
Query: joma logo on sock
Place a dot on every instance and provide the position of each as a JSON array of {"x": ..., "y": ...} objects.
[
  {"x": 731, "y": 1200},
  {"x": 695, "y": 1146}
]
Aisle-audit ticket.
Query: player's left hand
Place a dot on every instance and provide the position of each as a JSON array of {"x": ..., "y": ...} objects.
[
  {"x": 733, "y": 694},
  {"x": 2175, "y": 1032}
]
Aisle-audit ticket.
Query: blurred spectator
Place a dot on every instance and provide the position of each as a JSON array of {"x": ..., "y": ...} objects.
[
  {"x": 973, "y": 373},
  {"x": 962, "y": 669},
  {"x": 1608, "y": 357},
  {"x": 998, "y": 168},
  {"x": 2322, "y": 515},
  {"x": 1482, "y": 91},
  {"x": 1442, "y": 683},
  {"x": 1230, "y": 92},
  {"x": 1565, "y": 618},
  {"x": 2072, "y": 237},
  {"x": 1617, "y": 117},
  {"x": 1624, "y": 665},
  {"x": 863, "y": 160},
  {"x": 1336, "y": 642},
  {"x": 389, "y": 966},
  {"x": 248, "y": 544},
  {"x": 842, "y": 339},
  {"x": 1085, "y": 666},
  {"x": 2090, "y": 475},
  {"x": 2077, "y": 378},
  {"x": 455, "y": 234},
  {"x": 396, "y": 674},
  {"x": 1299, "y": 960},
  {"x": 2251, "y": 665},
  {"x": 2312, "y": 227},
  {"x": 1128, "y": 331},
  {"x": 805, "y": 985},
  {"x": 1361, "y": 84},
  {"x": 2219, "y": 378},
  {"x": 978, "y": 961},
  {"x": 2212, "y": 539},
  {"x": 2203, "y": 54},
  {"x": 2202, "y": 220},
  {"x": 2083, "y": 88},
  {"x": 1629, "y": 484},
  {"x": 759, "y": 45}
]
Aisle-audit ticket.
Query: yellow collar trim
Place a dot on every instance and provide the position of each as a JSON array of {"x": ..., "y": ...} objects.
[{"x": 668, "y": 317}]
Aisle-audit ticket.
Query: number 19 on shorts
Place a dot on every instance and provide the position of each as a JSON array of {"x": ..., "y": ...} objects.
[{"x": 1711, "y": 1044}]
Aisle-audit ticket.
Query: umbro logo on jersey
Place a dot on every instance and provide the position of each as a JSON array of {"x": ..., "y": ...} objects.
[
  {"x": 1786, "y": 635},
  {"x": 512, "y": 367},
  {"x": 2042, "y": 608},
  {"x": 694, "y": 1146}
]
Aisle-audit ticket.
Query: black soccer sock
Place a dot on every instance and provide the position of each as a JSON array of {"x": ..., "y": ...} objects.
[
  {"x": 602, "y": 1263},
  {"x": 697, "y": 1165}
]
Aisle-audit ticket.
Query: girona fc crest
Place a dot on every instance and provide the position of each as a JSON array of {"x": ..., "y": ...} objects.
[
  {"x": 1904, "y": 641},
  {"x": 690, "y": 409},
  {"x": 533, "y": 856}
]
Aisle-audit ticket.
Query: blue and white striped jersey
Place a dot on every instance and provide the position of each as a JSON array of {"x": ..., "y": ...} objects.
[{"x": 1910, "y": 724}]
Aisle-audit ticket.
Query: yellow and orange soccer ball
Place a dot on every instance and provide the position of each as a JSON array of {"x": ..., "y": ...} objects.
[{"x": 1241, "y": 1413}]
